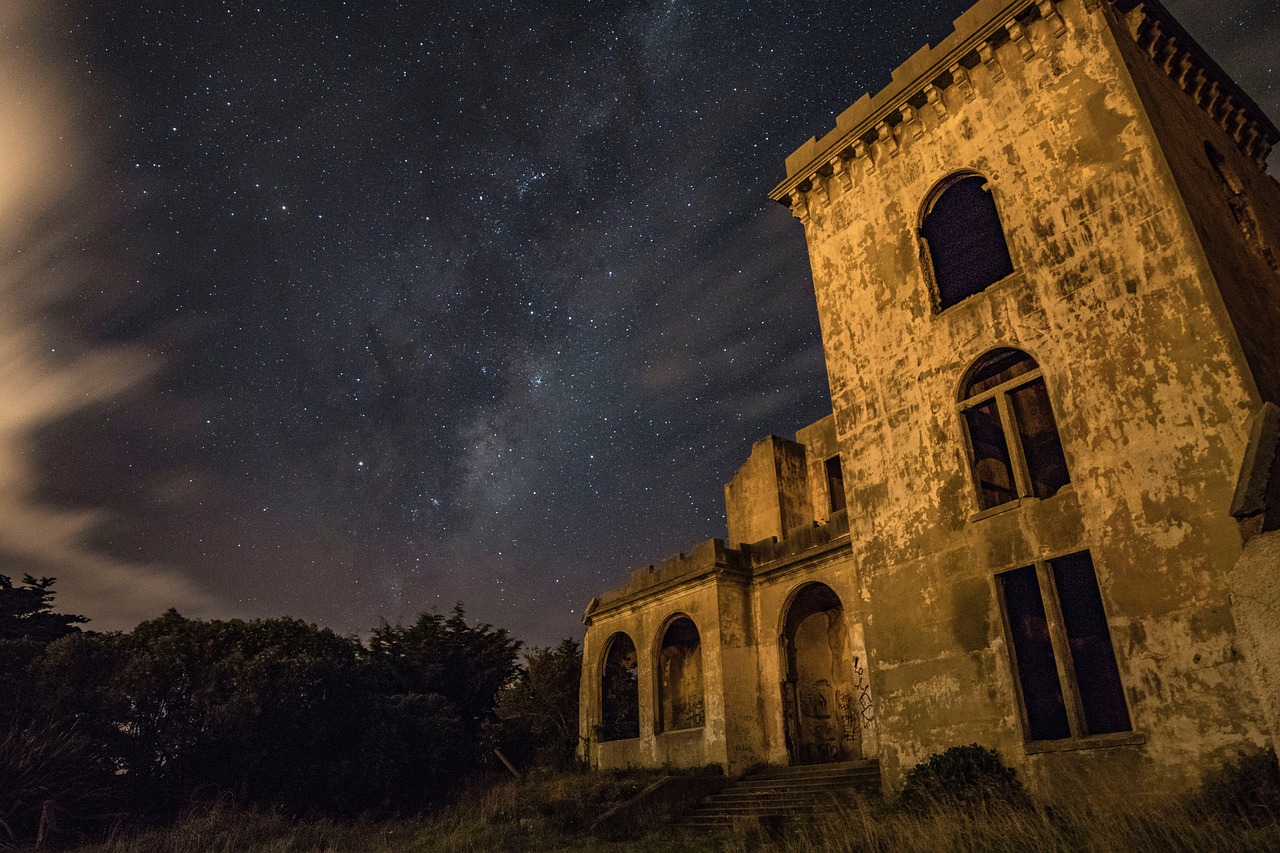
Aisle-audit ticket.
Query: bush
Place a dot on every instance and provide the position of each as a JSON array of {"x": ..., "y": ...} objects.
[
  {"x": 1248, "y": 787},
  {"x": 962, "y": 776},
  {"x": 53, "y": 782}
]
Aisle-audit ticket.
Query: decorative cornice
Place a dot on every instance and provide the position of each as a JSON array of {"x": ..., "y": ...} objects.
[
  {"x": 874, "y": 126},
  {"x": 1192, "y": 70}
]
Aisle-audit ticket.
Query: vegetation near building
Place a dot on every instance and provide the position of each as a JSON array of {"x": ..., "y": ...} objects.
[{"x": 1042, "y": 516}]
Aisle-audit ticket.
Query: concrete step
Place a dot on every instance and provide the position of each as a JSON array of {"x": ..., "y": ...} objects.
[
  {"x": 816, "y": 770},
  {"x": 758, "y": 808},
  {"x": 780, "y": 794},
  {"x": 816, "y": 795},
  {"x": 867, "y": 781}
]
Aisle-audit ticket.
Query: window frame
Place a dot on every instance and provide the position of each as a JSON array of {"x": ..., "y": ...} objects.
[
  {"x": 1064, "y": 666},
  {"x": 926, "y": 250},
  {"x": 1023, "y": 483}
]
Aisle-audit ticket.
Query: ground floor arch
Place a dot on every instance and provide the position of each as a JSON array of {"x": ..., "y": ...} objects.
[
  {"x": 619, "y": 690},
  {"x": 821, "y": 717},
  {"x": 680, "y": 687}
]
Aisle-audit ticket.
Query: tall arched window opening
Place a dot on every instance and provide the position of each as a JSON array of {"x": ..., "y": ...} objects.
[
  {"x": 1014, "y": 449},
  {"x": 680, "y": 704},
  {"x": 962, "y": 239},
  {"x": 619, "y": 690}
]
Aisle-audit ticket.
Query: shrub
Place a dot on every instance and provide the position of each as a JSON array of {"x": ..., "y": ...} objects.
[
  {"x": 962, "y": 776},
  {"x": 53, "y": 783},
  {"x": 1248, "y": 787}
]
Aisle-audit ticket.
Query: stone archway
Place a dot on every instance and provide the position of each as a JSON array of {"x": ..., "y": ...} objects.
[
  {"x": 818, "y": 697},
  {"x": 680, "y": 700},
  {"x": 619, "y": 690}
]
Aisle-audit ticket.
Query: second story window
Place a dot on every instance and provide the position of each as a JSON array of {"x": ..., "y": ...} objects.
[
  {"x": 962, "y": 240},
  {"x": 1014, "y": 449}
]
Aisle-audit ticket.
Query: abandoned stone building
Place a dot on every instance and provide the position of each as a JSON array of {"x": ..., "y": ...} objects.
[{"x": 1042, "y": 514}]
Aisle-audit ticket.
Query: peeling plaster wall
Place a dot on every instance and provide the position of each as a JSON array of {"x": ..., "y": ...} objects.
[
  {"x": 820, "y": 443},
  {"x": 770, "y": 493},
  {"x": 1241, "y": 281},
  {"x": 1152, "y": 318},
  {"x": 1148, "y": 382}
]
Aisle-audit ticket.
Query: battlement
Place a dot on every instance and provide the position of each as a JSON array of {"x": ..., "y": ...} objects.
[
  {"x": 1185, "y": 62},
  {"x": 874, "y": 125},
  {"x": 707, "y": 558}
]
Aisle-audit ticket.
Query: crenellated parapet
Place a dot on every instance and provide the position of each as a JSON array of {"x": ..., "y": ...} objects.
[
  {"x": 936, "y": 80},
  {"x": 706, "y": 560},
  {"x": 1195, "y": 73}
]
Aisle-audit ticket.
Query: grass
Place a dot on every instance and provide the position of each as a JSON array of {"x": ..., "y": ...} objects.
[
  {"x": 553, "y": 813},
  {"x": 547, "y": 813}
]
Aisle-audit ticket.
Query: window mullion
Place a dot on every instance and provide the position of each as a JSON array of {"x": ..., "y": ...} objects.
[
  {"x": 1013, "y": 440},
  {"x": 1008, "y": 385},
  {"x": 1062, "y": 651}
]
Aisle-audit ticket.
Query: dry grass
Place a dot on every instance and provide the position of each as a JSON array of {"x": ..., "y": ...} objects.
[
  {"x": 553, "y": 813},
  {"x": 1112, "y": 828}
]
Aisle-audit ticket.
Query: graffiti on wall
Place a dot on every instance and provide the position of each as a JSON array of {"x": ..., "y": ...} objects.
[
  {"x": 863, "y": 687},
  {"x": 688, "y": 714}
]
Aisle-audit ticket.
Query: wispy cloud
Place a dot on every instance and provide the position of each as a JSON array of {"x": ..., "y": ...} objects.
[{"x": 47, "y": 262}]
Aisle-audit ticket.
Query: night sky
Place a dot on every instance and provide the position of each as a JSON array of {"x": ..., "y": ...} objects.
[{"x": 351, "y": 310}]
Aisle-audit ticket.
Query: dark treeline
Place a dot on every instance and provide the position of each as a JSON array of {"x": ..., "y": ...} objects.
[{"x": 99, "y": 729}]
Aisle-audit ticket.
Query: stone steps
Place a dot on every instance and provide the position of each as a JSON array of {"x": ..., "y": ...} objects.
[{"x": 776, "y": 795}]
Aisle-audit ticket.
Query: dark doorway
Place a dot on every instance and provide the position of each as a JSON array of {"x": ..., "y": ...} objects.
[{"x": 818, "y": 698}]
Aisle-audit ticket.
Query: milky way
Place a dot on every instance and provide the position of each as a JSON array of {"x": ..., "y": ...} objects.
[{"x": 420, "y": 303}]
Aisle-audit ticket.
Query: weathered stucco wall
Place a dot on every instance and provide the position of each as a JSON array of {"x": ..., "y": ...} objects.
[
  {"x": 1147, "y": 379},
  {"x": 1234, "y": 207},
  {"x": 1144, "y": 292},
  {"x": 738, "y": 599},
  {"x": 769, "y": 494}
]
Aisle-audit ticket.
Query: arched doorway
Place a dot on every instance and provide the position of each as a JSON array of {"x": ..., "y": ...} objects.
[
  {"x": 680, "y": 703},
  {"x": 818, "y": 698}
]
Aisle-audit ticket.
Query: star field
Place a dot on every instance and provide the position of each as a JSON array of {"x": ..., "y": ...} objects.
[{"x": 437, "y": 302}]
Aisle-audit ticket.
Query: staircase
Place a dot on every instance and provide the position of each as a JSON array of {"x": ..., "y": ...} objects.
[{"x": 777, "y": 795}]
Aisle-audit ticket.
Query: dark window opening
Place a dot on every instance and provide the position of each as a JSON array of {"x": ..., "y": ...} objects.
[
  {"x": 992, "y": 470},
  {"x": 1061, "y": 646},
  {"x": 1271, "y": 518},
  {"x": 964, "y": 240},
  {"x": 1089, "y": 638},
  {"x": 620, "y": 691},
  {"x": 835, "y": 484},
  {"x": 1046, "y": 464},
  {"x": 1046, "y": 712},
  {"x": 1015, "y": 450}
]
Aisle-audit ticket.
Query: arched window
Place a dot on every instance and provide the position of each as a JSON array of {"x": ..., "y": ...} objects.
[
  {"x": 619, "y": 690},
  {"x": 1014, "y": 447},
  {"x": 680, "y": 704},
  {"x": 963, "y": 241}
]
